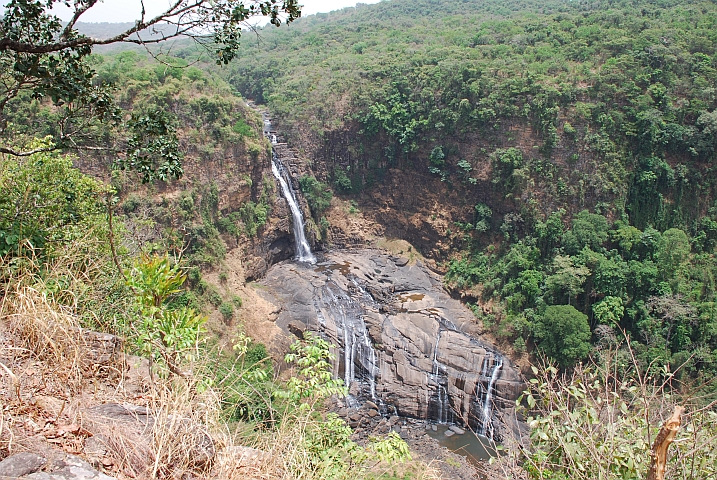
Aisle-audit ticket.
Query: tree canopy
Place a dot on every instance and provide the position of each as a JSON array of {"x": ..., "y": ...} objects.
[
  {"x": 564, "y": 334},
  {"x": 43, "y": 58}
]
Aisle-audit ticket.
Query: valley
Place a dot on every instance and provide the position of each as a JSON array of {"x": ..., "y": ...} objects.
[{"x": 351, "y": 246}]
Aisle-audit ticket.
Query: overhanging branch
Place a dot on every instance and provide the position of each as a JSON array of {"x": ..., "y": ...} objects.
[{"x": 27, "y": 153}]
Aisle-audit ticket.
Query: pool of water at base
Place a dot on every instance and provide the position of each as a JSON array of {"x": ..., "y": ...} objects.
[{"x": 476, "y": 448}]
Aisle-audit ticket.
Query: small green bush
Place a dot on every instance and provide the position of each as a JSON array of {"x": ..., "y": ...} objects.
[
  {"x": 227, "y": 310},
  {"x": 341, "y": 180},
  {"x": 213, "y": 296},
  {"x": 318, "y": 194},
  {"x": 131, "y": 204},
  {"x": 237, "y": 301},
  {"x": 242, "y": 129}
]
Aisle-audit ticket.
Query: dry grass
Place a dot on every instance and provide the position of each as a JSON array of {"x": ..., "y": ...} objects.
[
  {"x": 176, "y": 428},
  {"x": 601, "y": 419},
  {"x": 47, "y": 333}
]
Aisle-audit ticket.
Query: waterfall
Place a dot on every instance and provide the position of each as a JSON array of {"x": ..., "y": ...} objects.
[
  {"x": 358, "y": 350},
  {"x": 441, "y": 392},
  {"x": 486, "y": 424},
  {"x": 303, "y": 250},
  {"x": 435, "y": 354}
]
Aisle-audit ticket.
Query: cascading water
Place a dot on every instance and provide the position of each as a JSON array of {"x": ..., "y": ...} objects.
[
  {"x": 303, "y": 250},
  {"x": 443, "y": 403},
  {"x": 358, "y": 350},
  {"x": 344, "y": 308},
  {"x": 486, "y": 423}
]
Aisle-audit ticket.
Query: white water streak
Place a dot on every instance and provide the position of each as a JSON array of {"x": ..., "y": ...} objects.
[{"x": 303, "y": 250}]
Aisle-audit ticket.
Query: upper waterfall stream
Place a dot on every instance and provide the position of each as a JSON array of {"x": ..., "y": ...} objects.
[{"x": 303, "y": 249}]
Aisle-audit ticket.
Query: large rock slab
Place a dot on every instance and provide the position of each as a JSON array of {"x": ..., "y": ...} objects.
[
  {"x": 401, "y": 340},
  {"x": 21, "y": 464}
]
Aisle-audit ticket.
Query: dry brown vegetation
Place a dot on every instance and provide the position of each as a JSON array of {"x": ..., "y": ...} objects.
[{"x": 65, "y": 389}]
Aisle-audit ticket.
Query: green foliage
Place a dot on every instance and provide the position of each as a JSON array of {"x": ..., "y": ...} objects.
[
  {"x": 567, "y": 279},
  {"x": 609, "y": 310},
  {"x": 46, "y": 204},
  {"x": 314, "y": 380},
  {"x": 244, "y": 376},
  {"x": 227, "y": 310},
  {"x": 353, "y": 208},
  {"x": 242, "y": 129},
  {"x": 317, "y": 194},
  {"x": 563, "y": 334},
  {"x": 588, "y": 230},
  {"x": 237, "y": 301},
  {"x": 646, "y": 282},
  {"x": 334, "y": 455},
  {"x": 505, "y": 162},
  {"x": 324, "y": 227},
  {"x": 168, "y": 336},
  {"x": 483, "y": 216},
  {"x": 390, "y": 449},
  {"x": 253, "y": 216},
  {"x": 341, "y": 180},
  {"x": 153, "y": 147},
  {"x": 437, "y": 162},
  {"x": 673, "y": 252},
  {"x": 43, "y": 57},
  {"x": 599, "y": 423}
]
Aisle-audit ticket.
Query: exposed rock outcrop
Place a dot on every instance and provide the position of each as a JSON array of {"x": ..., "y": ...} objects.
[
  {"x": 33, "y": 466},
  {"x": 402, "y": 341}
]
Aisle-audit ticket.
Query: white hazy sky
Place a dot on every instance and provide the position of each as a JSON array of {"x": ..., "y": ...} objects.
[{"x": 129, "y": 10}]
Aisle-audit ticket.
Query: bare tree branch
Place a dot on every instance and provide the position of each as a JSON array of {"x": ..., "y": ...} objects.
[
  {"x": 187, "y": 16},
  {"x": 78, "y": 12},
  {"x": 19, "y": 153}
]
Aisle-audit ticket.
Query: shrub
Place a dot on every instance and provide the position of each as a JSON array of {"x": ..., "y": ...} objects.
[
  {"x": 169, "y": 336},
  {"x": 227, "y": 310},
  {"x": 242, "y": 129},
  {"x": 483, "y": 215},
  {"x": 131, "y": 204},
  {"x": 341, "y": 180},
  {"x": 213, "y": 296},
  {"x": 45, "y": 203},
  {"x": 317, "y": 194},
  {"x": 599, "y": 421}
]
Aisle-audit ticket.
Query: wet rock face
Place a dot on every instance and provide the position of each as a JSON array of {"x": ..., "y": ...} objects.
[{"x": 403, "y": 343}]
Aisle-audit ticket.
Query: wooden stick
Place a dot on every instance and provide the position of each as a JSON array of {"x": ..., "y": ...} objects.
[{"x": 662, "y": 443}]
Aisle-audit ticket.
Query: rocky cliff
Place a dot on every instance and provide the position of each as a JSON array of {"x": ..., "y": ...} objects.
[{"x": 402, "y": 341}]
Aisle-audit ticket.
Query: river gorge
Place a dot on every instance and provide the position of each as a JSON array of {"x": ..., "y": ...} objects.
[{"x": 400, "y": 341}]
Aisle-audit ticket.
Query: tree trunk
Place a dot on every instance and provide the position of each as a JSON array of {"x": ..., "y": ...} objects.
[{"x": 662, "y": 443}]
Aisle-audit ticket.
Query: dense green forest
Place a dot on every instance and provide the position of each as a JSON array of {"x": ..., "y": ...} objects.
[{"x": 581, "y": 135}]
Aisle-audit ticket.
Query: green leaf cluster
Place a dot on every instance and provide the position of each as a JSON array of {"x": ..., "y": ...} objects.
[
  {"x": 46, "y": 204},
  {"x": 168, "y": 336}
]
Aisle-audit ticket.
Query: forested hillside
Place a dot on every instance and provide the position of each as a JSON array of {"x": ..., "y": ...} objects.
[{"x": 568, "y": 147}]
